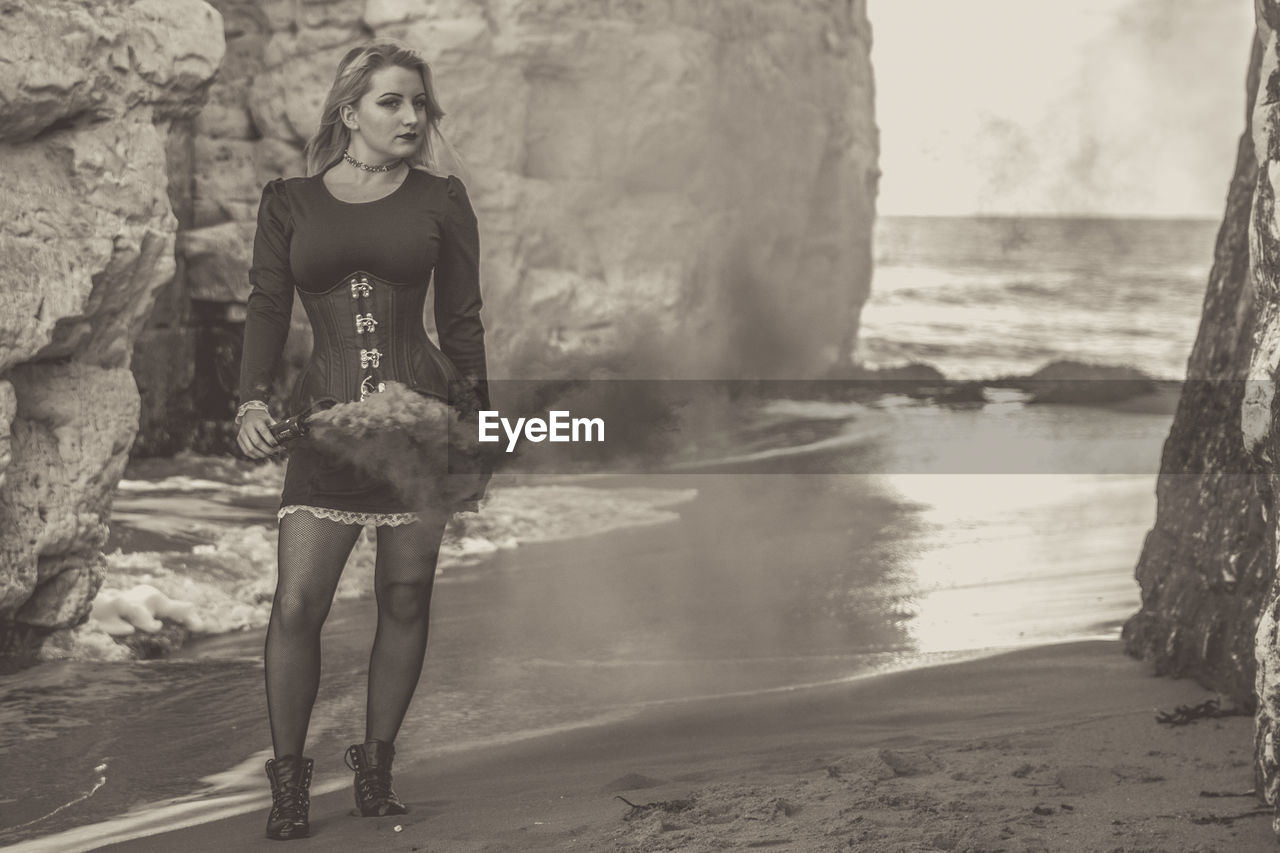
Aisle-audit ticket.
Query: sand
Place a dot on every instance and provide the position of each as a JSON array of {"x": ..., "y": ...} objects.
[{"x": 1052, "y": 748}]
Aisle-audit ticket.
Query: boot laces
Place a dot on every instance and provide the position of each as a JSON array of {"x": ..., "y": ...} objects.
[
  {"x": 291, "y": 800},
  {"x": 372, "y": 783}
]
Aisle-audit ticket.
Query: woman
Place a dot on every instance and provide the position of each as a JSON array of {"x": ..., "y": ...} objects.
[{"x": 358, "y": 239}]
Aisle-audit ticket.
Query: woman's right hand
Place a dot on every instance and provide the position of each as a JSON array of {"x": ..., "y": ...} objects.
[{"x": 255, "y": 440}]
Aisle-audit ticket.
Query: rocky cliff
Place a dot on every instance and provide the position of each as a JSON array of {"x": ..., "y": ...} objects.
[
  {"x": 664, "y": 188},
  {"x": 1205, "y": 565},
  {"x": 1211, "y": 601},
  {"x": 1260, "y": 407},
  {"x": 88, "y": 95}
]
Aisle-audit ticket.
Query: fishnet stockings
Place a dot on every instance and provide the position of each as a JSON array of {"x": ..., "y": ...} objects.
[
  {"x": 404, "y": 573},
  {"x": 312, "y": 553}
]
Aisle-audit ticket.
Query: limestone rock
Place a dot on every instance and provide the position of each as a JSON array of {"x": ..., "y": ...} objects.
[
  {"x": 8, "y": 408},
  {"x": 286, "y": 97},
  {"x": 89, "y": 240},
  {"x": 224, "y": 172},
  {"x": 749, "y": 264},
  {"x": 216, "y": 258},
  {"x": 274, "y": 158},
  {"x": 72, "y": 63},
  {"x": 1208, "y": 568},
  {"x": 641, "y": 212},
  {"x": 65, "y": 599},
  {"x": 1204, "y": 566},
  {"x": 225, "y": 121},
  {"x": 673, "y": 189},
  {"x": 1258, "y": 409},
  {"x": 71, "y": 438},
  {"x": 87, "y": 243}
]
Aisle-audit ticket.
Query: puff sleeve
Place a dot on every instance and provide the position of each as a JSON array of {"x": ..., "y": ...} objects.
[
  {"x": 457, "y": 290},
  {"x": 270, "y": 302}
]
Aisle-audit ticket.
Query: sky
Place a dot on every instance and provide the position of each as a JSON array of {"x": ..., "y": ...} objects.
[{"x": 1075, "y": 107}]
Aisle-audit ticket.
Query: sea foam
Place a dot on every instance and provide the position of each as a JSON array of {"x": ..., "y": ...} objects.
[{"x": 226, "y": 582}]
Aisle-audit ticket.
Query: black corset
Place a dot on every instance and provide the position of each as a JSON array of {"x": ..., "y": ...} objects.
[{"x": 368, "y": 331}]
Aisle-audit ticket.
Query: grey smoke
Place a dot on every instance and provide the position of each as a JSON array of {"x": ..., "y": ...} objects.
[{"x": 419, "y": 444}]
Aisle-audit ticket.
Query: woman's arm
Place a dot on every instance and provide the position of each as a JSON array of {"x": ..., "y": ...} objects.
[
  {"x": 457, "y": 291},
  {"x": 270, "y": 303}
]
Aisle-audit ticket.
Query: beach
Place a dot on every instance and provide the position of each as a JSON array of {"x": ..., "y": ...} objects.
[
  {"x": 1053, "y": 748},
  {"x": 886, "y": 335},
  {"x": 875, "y": 624},
  {"x": 846, "y": 638}
]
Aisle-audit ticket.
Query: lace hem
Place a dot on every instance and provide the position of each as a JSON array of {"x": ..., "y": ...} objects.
[{"x": 392, "y": 519}]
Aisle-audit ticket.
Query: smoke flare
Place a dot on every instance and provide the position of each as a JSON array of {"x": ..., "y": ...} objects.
[{"x": 420, "y": 445}]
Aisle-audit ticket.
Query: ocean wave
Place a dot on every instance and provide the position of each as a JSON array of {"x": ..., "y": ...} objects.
[
  {"x": 527, "y": 514},
  {"x": 185, "y": 483},
  {"x": 813, "y": 409},
  {"x": 226, "y": 582}
]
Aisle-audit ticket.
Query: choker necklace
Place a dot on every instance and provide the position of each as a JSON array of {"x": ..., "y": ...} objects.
[{"x": 354, "y": 162}]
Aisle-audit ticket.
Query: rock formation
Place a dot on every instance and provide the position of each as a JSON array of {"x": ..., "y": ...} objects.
[
  {"x": 664, "y": 188},
  {"x": 86, "y": 100},
  {"x": 1205, "y": 565},
  {"x": 1211, "y": 602},
  {"x": 1259, "y": 410}
]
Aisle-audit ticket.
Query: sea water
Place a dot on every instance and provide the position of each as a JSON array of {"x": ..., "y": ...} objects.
[{"x": 979, "y": 297}]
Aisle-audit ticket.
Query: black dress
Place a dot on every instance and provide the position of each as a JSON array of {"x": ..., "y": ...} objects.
[{"x": 362, "y": 270}]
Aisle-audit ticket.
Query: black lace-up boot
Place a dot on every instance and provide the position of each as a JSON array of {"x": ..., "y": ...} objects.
[
  {"x": 372, "y": 763},
  {"x": 290, "y": 797}
]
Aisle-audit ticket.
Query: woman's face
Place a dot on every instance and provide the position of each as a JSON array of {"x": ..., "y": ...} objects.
[{"x": 390, "y": 120}]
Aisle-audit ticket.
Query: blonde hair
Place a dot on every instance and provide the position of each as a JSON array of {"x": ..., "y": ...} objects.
[{"x": 352, "y": 82}]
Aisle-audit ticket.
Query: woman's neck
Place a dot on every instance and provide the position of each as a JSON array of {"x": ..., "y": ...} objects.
[
  {"x": 346, "y": 173},
  {"x": 367, "y": 166}
]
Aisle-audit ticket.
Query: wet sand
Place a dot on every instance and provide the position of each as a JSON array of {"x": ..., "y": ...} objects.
[{"x": 1051, "y": 748}]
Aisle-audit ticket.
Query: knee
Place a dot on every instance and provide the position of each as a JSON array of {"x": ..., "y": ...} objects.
[
  {"x": 408, "y": 601},
  {"x": 299, "y": 612}
]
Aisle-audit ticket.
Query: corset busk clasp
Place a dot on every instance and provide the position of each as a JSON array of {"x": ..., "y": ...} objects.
[{"x": 368, "y": 332}]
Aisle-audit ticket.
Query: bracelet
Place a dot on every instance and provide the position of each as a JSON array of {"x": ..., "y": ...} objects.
[{"x": 251, "y": 404}]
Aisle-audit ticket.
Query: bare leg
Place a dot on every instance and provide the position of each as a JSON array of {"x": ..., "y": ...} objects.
[
  {"x": 403, "y": 577},
  {"x": 312, "y": 553}
]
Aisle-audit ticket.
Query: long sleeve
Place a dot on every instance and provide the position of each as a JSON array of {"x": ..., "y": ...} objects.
[
  {"x": 271, "y": 301},
  {"x": 457, "y": 290}
]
